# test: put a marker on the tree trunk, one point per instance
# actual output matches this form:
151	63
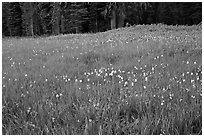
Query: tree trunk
31	19
28	18
113	18
9	27
96	25
31	26
62	24
55	27
77	30
121	20
56	18
121	16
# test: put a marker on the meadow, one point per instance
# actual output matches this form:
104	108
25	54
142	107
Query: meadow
144	79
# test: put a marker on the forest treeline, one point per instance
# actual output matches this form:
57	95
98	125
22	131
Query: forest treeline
53	18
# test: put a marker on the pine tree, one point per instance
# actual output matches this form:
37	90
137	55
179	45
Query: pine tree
77	14
119	12
27	18
14	19
5	22
39	18
45	14
96	20
56	16
193	12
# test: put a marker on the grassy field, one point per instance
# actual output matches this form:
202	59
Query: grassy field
144	79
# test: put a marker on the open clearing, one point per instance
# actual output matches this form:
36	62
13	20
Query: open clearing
135	80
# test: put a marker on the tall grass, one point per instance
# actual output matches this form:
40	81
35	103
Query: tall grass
136	80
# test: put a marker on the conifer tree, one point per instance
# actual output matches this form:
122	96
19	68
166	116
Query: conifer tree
76	15
27	18
5	21
14	19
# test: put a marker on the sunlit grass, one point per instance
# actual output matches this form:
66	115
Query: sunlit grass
136	80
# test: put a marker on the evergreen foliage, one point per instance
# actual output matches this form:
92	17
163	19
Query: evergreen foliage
53	18
14	19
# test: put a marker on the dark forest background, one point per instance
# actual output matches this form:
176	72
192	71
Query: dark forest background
53	18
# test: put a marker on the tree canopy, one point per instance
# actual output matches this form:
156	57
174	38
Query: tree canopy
53	18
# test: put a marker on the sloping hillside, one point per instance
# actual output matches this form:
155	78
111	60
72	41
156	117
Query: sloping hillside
143	79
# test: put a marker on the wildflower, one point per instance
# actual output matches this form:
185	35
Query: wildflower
126	83
193	96
184	80
192	80
187	72
152	68
28	111
57	95
191	73
132	83
144	87
22	95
